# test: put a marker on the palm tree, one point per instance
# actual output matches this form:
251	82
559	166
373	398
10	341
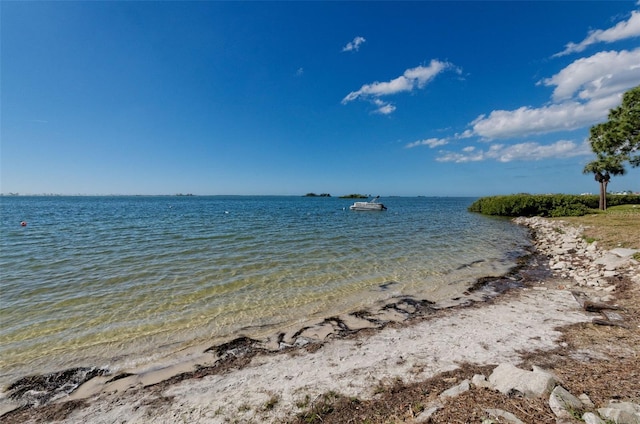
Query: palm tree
615	142
602	169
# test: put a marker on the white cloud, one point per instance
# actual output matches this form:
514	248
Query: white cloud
558	117
421	75
431	142
585	92
299	72
354	45
383	108
411	79
529	151
623	30
436	142
381	89
469	155
596	76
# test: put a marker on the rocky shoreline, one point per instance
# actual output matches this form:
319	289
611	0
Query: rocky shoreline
572	257
584	266
400	339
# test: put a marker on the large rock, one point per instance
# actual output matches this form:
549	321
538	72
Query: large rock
508	379
624	253
612	261
621	413
507	416
591	418
429	410
563	403
456	390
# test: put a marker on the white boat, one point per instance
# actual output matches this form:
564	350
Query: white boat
373	205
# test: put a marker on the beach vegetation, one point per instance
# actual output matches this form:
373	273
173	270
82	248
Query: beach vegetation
615	142
321	407
546	205
245	407
417	407
303	403
271	403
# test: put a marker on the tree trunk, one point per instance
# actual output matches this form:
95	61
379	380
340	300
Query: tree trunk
603	180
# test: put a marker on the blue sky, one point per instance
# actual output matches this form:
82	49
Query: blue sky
390	98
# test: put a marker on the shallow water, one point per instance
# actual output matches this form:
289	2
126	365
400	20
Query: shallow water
123	281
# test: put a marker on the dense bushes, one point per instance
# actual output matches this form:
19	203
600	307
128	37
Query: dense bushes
545	204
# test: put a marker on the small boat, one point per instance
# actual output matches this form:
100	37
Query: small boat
373	205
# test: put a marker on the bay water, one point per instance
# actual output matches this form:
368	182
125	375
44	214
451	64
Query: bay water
124	281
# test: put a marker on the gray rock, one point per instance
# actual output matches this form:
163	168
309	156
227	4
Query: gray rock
621	412
563	403
591	418
480	380
632	408
507	378
624	253
612	262
586	401
456	390
619	417
508	416
425	415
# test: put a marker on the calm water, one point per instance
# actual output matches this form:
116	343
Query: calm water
123	281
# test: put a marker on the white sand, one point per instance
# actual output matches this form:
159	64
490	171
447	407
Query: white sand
489	334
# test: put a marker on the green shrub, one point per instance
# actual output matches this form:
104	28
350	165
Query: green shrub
548	205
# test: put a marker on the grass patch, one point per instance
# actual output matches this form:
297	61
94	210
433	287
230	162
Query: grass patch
321	407
618	226
271	403
245	407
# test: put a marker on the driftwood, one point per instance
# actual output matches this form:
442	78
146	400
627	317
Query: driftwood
599	321
580	297
611	319
590	306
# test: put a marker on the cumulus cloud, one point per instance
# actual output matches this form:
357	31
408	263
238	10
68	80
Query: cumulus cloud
584	93
383	108
625	29
556	117
431	142
529	151
354	45
411	79
596	76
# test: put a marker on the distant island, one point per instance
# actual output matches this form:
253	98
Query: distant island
355	196
317	195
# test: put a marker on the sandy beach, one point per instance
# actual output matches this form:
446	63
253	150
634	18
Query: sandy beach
501	320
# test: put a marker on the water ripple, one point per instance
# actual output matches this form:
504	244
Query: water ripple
93	280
